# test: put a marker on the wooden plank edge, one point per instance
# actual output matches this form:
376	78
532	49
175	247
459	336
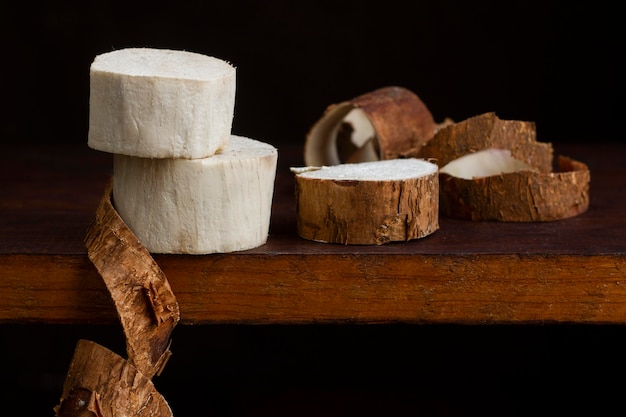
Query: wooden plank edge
320	288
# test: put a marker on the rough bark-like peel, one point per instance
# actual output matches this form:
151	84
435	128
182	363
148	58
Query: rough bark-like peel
100	383
489	131
401	121
145	303
524	196
529	195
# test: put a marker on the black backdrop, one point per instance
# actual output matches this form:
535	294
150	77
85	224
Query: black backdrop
556	63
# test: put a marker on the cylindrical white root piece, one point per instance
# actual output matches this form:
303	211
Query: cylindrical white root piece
159	103
217	204
368	203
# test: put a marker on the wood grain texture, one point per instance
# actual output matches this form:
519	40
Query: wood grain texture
572	270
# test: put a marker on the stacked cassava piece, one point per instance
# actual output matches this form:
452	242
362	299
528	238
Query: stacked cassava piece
182	181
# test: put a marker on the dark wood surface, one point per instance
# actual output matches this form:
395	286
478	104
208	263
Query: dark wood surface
572	270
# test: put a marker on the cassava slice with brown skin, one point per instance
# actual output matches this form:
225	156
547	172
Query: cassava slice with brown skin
100	383
523	196
145	303
368	203
395	120
489	131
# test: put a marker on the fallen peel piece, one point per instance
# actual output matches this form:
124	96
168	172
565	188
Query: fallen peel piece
386	123
100	383
367	203
145	303
521	196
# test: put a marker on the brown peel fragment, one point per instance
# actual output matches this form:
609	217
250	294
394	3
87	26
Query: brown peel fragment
523	196
100	383
530	193
396	121
489	131
145	303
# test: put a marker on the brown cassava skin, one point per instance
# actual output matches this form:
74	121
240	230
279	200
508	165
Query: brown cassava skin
488	131
366	212
100	383
401	120
524	196
143	298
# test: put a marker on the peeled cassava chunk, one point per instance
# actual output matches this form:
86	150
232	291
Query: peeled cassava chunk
159	103
217	204
368	203
387	123
496	170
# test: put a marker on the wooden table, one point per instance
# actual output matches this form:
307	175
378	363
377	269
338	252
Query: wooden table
569	271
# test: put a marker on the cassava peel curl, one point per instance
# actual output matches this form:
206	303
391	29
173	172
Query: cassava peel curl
144	300
523	188
522	196
99	382
386	123
489	131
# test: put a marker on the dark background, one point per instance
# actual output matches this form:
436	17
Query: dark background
559	64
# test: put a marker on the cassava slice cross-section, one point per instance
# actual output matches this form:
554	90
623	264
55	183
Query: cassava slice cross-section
367	203
217	204
383	124
145	303
100	383
495	169
160	103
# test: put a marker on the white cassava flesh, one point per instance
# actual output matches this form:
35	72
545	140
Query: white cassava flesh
212	205
367	203
159	103
484	163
